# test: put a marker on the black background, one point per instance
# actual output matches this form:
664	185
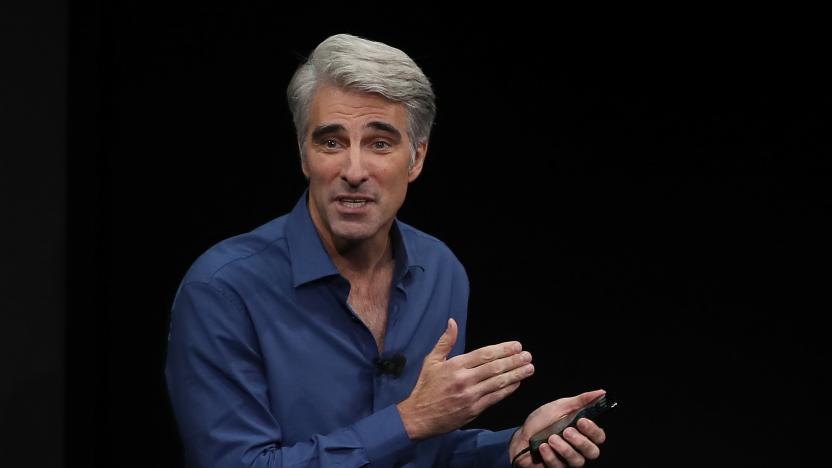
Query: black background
642	202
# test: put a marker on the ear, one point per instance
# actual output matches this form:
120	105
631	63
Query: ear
418	162
303	166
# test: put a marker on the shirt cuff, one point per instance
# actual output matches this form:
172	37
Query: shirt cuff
383	434
492	447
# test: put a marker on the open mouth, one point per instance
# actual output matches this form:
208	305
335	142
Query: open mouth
352	203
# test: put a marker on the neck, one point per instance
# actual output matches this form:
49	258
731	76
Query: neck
362	257
358	258
354	258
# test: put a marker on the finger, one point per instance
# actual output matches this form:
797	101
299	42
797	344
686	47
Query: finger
550	458
446	342
592	431
524	461
490	353
500	366
566	451
503	380
581	443
494	397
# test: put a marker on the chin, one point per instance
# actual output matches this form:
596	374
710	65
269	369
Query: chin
354	233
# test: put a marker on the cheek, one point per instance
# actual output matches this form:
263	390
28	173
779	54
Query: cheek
393	176
320	171
398	186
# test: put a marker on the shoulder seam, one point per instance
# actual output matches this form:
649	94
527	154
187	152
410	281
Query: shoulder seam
222	292
244	257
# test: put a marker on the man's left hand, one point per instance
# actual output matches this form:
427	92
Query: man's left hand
574	448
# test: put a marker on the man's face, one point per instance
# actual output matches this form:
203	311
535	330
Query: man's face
358	164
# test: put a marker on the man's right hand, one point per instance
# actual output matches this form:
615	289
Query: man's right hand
451	392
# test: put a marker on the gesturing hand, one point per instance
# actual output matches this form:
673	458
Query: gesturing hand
451	392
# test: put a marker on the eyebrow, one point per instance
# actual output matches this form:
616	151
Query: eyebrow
330	129
386	128
326	129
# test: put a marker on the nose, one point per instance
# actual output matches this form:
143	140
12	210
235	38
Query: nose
354	171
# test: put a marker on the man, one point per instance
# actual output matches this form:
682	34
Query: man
334	335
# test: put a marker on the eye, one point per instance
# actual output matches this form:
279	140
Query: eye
329	144
381	145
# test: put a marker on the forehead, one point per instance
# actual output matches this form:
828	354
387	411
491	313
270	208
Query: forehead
331	104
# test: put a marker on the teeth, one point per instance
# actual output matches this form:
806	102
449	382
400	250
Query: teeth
353	203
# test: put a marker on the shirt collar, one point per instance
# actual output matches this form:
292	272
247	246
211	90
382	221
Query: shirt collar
310	260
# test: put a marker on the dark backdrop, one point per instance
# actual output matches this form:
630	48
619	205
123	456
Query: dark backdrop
33	89
643	204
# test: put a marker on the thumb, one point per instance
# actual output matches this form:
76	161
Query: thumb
584	399
446	342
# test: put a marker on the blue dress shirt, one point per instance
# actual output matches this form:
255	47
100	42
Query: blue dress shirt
268	366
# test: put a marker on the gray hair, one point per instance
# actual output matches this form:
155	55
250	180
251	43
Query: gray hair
358	64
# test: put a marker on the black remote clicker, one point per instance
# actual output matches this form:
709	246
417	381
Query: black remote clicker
599	406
